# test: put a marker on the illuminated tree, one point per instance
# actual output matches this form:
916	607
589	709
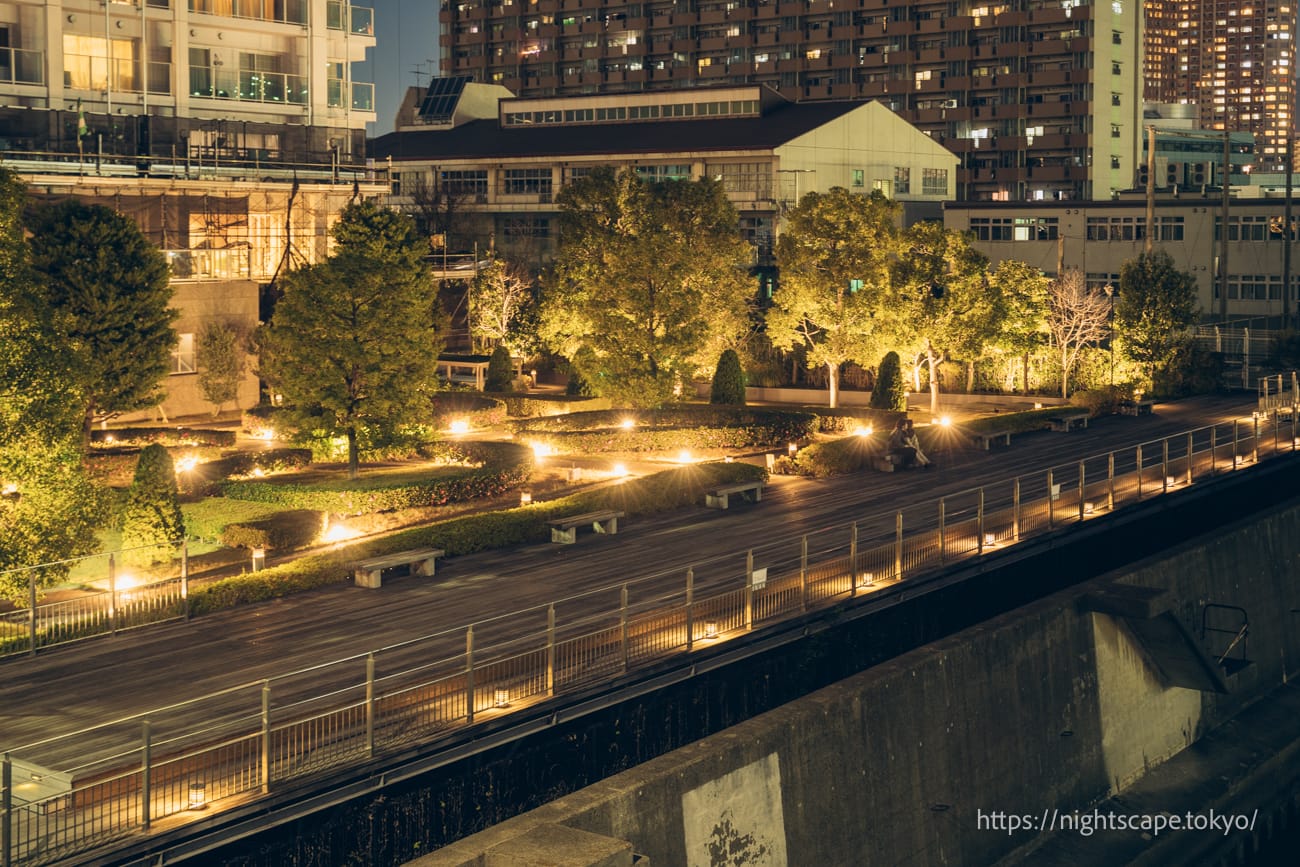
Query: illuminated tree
152	525
501	371
502	307
1077	317
222	361
1023	293
889	392
728	380
1156	310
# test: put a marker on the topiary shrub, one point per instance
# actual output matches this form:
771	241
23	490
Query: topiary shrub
284	531
500	371
728	381
152	525
890	393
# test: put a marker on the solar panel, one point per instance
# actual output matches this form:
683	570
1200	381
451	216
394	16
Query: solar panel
441	97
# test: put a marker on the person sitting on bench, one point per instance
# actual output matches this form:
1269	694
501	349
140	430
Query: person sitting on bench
911	441
903	451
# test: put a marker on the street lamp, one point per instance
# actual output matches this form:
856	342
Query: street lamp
1110	294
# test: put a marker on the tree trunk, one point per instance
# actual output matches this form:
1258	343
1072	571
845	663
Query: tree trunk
87	423
932	360
354	463
1024	359
833	381
1065	375
970	377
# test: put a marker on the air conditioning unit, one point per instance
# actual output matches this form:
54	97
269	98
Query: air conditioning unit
950	103
1201	174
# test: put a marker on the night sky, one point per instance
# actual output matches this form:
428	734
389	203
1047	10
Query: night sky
406	39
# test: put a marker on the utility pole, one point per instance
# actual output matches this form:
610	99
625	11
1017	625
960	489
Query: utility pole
1223	224
1288	238
1151	188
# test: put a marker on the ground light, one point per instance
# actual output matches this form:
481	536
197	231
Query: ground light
627	423
684	456
862	431
459	426
525	498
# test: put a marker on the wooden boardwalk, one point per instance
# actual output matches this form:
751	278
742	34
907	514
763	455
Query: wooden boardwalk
77	686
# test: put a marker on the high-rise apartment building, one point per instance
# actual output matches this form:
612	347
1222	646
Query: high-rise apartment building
1234	60
267	81
1039	99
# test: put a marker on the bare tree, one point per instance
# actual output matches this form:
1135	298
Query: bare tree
1076	317
501	292
435	207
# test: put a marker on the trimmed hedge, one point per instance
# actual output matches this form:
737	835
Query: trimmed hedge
847	420
502	467
267	460
540	406
164	436
1015	422
479	411
661	492
208	518
849	454
284	531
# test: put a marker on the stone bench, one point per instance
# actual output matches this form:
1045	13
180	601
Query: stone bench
984	440
368	573
887	462
565	530
719	497
1067	421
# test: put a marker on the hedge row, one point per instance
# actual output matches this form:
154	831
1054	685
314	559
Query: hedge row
166	436
477	410
846	420
1014	422
267	460
284	531
686	415
504	466
849	454
780	431
541	406
661	492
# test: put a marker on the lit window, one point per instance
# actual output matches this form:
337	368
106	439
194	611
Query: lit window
183	355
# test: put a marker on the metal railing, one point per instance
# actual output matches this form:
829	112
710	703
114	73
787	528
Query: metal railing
1278	392
197	754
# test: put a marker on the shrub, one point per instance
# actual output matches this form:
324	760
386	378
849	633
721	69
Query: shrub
648	495
178	436
500	371
535	406
1191	370
505	465
206	519
151	522
728	381
835	457
849	420
890	393
282	531
667	429
479	411
1012	422
1101	401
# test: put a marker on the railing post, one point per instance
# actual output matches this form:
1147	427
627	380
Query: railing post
1110	482
622	625
803	572
853	561
1051	502
749	589
31	610
1214	447
1235	439
146	793
979	523
6	811
112	595
1254	440
469	674
1083	485
266	736
1190	449
690	609
550	643
1015	510
1138	452
1294	411
185	577
898	546
943	554
1164	465
370	704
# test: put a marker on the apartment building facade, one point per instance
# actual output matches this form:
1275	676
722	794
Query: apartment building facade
1040	100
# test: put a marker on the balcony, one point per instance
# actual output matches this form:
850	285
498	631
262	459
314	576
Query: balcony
288	12
360	20
20	66
214	82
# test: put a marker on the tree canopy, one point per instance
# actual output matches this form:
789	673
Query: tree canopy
1077	317
1155	310
107	287
649	285
221	363
46	502
354	342
835	256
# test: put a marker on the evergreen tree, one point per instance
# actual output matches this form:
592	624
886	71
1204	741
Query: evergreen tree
221	364
354	342
501	371
728	381
1155	312
47	505
152	525
889	393
107	287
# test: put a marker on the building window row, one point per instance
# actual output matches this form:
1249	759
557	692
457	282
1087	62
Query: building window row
1255	287
934	182
715	108
1015	228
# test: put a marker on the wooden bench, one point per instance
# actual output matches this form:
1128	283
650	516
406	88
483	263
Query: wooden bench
984	440
718	498
1067	421
1137	407
368	573
565	530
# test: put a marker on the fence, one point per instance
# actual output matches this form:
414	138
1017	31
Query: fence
234	746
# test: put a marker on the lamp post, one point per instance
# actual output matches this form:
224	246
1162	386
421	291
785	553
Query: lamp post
1110	294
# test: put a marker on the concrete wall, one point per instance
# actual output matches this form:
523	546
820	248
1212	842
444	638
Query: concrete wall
1051	706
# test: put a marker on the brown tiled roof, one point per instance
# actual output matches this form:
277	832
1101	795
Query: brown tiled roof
486	138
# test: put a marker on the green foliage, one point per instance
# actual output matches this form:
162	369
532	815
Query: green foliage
354	341
504	466
479	411
890	392
171	437
47	503
1285	351
530	406
152	525
222	360
1155	312
728	381
576	386
648	495
834	254
849	454
1101	401
1190	370
501	371
247	463
1015	422
650	283
283	531
107	286
206	519
504	309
